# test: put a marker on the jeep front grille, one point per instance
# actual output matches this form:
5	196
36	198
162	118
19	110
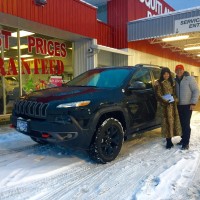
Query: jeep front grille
31	108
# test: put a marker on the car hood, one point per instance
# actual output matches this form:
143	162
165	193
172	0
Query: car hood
63	93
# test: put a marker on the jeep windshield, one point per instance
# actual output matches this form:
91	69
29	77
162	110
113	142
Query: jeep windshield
102	78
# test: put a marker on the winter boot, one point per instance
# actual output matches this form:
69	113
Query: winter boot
185	147
169	144
181	142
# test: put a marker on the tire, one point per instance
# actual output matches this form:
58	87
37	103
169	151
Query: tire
108	141
39	141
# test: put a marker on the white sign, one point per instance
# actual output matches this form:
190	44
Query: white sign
187	25
56	80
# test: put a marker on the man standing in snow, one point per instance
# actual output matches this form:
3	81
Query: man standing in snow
188	94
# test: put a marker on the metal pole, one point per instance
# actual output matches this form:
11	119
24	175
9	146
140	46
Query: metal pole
19	63
3	78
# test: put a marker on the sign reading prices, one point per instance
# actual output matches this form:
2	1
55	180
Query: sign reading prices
187	25
36	46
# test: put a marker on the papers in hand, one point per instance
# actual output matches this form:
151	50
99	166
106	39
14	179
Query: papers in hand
168	97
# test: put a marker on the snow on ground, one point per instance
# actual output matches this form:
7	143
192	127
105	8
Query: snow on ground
144	170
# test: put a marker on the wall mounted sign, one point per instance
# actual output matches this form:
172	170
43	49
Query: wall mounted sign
187	25
155	6
56	81
41	66
46	47
6	35
39	46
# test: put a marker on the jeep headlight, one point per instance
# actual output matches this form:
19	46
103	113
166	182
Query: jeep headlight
74	104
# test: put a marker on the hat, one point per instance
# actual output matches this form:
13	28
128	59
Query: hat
179	67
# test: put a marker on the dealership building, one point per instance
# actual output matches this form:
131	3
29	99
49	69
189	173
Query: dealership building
44	43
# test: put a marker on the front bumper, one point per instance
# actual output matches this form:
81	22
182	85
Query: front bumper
66	134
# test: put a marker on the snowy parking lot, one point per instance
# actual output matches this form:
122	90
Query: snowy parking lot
144	170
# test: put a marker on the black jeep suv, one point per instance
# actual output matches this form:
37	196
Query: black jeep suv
96	111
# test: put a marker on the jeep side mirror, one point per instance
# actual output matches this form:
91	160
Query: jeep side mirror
137	85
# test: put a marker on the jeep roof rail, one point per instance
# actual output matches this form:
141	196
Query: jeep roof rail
148	65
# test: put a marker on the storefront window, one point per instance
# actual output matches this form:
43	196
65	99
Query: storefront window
8	69
45	62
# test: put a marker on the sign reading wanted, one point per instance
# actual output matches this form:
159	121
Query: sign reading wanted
187	25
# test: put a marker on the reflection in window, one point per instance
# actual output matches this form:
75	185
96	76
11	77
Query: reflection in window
142	75
156	73
102	78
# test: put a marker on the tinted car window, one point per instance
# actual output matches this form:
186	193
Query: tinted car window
108	78
142	75
156	73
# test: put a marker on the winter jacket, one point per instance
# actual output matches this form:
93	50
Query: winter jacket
170	123
187	90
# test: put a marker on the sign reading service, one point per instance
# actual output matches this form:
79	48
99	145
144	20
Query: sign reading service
187	25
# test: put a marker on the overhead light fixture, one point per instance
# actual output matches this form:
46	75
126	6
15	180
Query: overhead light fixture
198	55
23	46
30	59
192	44
48	56
22	33
181	37
192	48
26	56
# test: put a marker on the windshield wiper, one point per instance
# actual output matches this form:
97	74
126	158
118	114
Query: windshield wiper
81	85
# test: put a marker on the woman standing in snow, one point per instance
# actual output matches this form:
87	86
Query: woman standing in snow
170	124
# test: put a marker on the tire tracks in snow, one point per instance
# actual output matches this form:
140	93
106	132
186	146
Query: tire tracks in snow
134	171
29	149
25	190
18	150
70	177
86	180
76	182
185	184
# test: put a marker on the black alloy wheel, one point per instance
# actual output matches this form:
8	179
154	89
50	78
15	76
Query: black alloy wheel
108	141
